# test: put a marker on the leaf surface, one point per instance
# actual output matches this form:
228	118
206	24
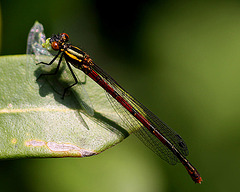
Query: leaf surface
36	122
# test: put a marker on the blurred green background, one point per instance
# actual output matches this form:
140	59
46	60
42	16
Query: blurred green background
180	59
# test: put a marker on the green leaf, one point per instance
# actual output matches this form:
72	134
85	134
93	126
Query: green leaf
36	122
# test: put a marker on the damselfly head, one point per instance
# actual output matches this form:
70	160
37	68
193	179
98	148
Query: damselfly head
56	42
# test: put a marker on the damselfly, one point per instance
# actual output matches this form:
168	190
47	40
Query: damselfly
162	140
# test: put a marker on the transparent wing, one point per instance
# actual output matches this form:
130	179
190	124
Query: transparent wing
36	53
138	129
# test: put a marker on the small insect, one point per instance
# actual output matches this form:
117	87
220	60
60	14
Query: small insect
155	134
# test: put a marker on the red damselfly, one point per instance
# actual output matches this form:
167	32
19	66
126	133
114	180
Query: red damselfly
161	139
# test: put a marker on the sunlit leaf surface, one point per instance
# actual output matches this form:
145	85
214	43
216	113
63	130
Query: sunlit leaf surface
36	122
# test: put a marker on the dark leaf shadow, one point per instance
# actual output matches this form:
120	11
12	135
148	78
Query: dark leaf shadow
55	85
